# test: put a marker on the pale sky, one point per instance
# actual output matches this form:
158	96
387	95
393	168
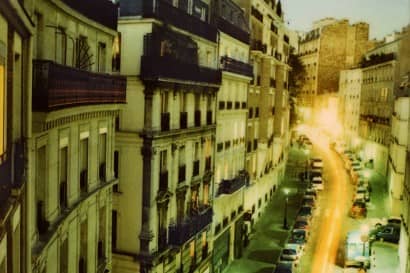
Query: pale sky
383	16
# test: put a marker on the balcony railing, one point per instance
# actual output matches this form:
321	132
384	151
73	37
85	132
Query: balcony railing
257	45
104	12
57	86
231	185
209	117
181	233
166	12
232	30
156	68
183	120
197	117
235	66
165	121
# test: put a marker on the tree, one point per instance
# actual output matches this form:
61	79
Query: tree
297	76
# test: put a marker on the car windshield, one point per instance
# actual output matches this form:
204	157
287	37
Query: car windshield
298	234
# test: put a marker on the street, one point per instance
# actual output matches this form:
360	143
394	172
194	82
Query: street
324	252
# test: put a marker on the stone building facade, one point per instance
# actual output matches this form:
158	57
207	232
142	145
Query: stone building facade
166	137
75	100
16	33
350	84
231	176
331	46
267	137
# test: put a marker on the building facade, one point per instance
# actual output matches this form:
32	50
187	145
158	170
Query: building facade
380	78
75	101
231	116
267	137
166	137
349	104
331	46
16	32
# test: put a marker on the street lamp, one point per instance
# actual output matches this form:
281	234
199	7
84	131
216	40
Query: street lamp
285	216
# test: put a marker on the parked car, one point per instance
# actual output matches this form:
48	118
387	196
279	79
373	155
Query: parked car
305	213
284	267
364	183
302	224
309	200
358	209
298	236
289	254
362	193
317	162
388	233
317	183
311	192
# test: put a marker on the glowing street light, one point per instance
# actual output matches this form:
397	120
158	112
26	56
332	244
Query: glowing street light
285	216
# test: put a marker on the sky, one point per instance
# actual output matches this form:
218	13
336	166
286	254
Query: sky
383	16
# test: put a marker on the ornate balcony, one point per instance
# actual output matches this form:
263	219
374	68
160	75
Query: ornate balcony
57	86
234	66
102	11
181	233
166	12
232	30
232	185
155	68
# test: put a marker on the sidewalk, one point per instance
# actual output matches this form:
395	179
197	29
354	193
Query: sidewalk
268	236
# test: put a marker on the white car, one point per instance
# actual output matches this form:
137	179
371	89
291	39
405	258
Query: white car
317	183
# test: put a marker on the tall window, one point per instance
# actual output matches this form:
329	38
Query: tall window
102	145
83	165
61	46
163	163
63	176
101	57
164	102
2	101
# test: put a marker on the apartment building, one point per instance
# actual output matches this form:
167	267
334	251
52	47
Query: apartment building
350	84
231	116
331	46
166	137
381	76
75	101
267	138
16	33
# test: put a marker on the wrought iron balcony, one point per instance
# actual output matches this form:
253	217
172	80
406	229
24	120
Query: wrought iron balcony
156	68
57	86
232	185
104	12
234	66
232	30
181	233
166	12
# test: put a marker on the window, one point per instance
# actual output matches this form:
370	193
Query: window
163	161
102	144
2	101
83	165
63	176
61	46
101	57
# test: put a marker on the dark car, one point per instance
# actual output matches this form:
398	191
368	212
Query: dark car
309	201
358	209
311	192
388	233
305	211
302	224
298	236
284	267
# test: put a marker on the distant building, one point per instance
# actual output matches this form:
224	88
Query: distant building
331	46
350	84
